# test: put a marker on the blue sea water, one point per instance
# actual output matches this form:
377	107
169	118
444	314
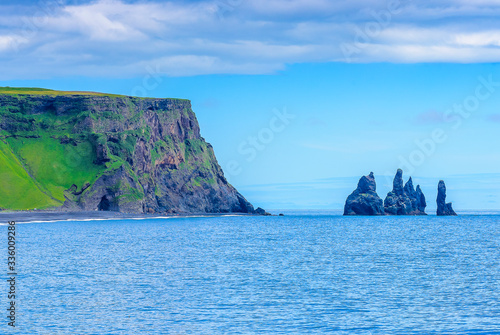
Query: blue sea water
305	273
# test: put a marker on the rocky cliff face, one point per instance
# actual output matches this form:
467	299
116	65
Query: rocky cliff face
364	200
404	200
443	208
103	152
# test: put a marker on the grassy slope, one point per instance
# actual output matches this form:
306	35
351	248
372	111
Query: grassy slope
56	166
53	166
19	191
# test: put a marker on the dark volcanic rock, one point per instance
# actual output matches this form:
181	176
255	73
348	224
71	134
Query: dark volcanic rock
443	208
261	211
398	202
404	200
417	198
364	200
421	203
397	184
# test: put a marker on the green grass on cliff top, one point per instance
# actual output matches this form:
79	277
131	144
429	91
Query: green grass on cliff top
43	91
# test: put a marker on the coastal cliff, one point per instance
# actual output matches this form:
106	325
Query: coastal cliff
81	151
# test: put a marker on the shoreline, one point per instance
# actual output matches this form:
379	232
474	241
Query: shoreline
56	216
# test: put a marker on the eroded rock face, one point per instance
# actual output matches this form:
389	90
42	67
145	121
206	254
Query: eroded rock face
364	200
443	208
421	203
404	200
398	202
149	153
417	198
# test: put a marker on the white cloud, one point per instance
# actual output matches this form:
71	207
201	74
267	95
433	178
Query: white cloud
11	43
486	38
114	38
100	27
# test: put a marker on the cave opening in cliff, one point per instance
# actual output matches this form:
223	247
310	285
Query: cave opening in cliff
105	204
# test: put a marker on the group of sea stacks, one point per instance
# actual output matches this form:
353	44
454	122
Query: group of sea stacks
402	200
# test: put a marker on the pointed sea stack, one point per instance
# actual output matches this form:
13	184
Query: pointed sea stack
443	208
398	202
404	200
364	200
417	198
421	203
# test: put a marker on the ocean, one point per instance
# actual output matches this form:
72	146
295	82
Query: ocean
308	272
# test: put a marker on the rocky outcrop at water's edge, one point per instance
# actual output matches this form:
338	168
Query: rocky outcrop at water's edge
443	208
364	200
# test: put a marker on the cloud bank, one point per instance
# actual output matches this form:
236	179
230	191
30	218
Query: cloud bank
114	38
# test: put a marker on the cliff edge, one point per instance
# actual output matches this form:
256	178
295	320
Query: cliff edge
81	151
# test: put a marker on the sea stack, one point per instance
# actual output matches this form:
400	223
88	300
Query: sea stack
443	208
421	203
364	200
404	200
417	198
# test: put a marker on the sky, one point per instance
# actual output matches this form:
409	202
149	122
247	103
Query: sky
299	98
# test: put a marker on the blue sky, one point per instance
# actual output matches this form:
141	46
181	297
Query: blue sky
299	98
